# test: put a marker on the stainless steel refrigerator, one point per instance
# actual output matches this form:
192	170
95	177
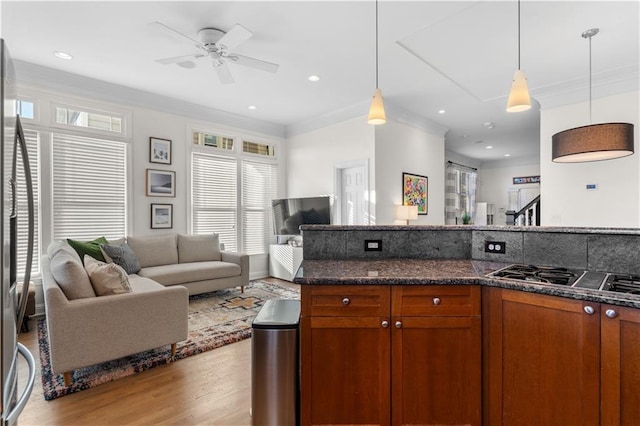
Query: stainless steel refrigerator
13	149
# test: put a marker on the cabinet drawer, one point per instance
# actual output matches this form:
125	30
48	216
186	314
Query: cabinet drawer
345	300
436	300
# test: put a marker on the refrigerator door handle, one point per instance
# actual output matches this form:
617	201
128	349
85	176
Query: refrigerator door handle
12	418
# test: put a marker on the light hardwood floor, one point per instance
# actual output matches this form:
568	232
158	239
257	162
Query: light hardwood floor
211	388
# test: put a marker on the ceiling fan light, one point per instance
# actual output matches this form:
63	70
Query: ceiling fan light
376	111
519	99
596	142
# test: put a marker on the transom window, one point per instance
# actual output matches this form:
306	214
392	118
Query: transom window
88	119
258	148
215	141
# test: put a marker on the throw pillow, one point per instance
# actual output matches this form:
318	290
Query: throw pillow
123	256
71	276
92	248
198	248
106	278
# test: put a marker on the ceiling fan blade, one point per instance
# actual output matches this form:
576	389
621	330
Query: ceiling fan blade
179	59
176	32
253	63
223	73
234	37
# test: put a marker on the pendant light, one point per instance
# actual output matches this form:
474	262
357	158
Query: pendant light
594	142
519	99
376	111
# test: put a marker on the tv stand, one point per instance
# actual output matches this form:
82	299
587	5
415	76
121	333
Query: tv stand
284	261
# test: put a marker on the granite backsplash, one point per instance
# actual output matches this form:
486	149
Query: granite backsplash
595	249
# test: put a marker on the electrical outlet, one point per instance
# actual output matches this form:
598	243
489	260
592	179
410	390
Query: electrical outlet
372	245
495	247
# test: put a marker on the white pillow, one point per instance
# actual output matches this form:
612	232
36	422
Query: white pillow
106	278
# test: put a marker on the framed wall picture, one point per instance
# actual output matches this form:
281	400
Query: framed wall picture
161	216
161	183
159	150
415	191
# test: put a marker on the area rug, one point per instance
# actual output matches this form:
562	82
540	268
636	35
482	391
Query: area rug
215	319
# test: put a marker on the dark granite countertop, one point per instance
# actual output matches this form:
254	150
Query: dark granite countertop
507	228
441	272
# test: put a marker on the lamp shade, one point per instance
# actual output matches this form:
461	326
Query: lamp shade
519	99
376	111
407	213
593	143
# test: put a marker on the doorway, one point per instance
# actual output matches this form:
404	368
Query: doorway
352	193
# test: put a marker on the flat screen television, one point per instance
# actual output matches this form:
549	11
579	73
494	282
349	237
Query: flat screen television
290	213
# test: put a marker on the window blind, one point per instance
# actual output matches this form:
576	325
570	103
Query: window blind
214	197
89	183
259	187
32	137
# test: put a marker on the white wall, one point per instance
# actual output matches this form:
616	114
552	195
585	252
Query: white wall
565	201
494	184
402	148
312	156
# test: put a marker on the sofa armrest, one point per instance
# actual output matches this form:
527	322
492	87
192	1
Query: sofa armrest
240	259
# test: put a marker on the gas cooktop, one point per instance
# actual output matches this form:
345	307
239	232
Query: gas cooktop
594	280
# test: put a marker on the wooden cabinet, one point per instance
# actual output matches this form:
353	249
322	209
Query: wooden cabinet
391	355
620	380
560	361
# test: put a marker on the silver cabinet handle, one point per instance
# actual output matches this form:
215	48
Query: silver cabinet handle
385	324
346	301
398	324
436	301
589	310
611	313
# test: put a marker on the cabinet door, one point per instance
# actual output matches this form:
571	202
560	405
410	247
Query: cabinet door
543	360
620	365
436	355
345	371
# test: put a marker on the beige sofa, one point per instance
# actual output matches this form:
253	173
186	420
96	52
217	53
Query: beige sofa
89	330
193	261
148	311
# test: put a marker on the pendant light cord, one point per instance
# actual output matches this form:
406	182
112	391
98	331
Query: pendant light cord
518	34
590	107
376	44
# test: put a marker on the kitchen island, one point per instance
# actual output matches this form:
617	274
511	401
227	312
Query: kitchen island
437	341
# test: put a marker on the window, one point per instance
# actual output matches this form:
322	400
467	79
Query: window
214	197
88	119
26	109
89	187
32	139
258	148
258	189
460	193
215	141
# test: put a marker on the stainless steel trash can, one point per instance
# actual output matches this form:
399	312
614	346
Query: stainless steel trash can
275	364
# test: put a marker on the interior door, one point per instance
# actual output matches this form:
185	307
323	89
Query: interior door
353	196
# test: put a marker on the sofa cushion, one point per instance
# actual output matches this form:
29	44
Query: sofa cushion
123	256
181	273
106	278
92	248
156	250
57	246
143	284
198	248
71	276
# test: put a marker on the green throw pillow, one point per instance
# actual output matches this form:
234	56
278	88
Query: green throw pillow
92	248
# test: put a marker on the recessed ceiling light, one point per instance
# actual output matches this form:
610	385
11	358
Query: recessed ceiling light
314	78
252	107
62	55
507	155
488	147
489	125
441	111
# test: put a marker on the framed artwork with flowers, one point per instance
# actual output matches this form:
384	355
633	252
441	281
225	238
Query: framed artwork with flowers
415	191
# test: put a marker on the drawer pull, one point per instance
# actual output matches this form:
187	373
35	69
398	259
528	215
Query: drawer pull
385	324
610	313
436	301
589	310
398	324
346	301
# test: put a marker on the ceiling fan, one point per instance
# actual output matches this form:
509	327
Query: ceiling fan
218	45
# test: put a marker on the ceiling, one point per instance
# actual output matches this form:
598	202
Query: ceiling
458	56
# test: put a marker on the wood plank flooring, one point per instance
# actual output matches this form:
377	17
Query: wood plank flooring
212	388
